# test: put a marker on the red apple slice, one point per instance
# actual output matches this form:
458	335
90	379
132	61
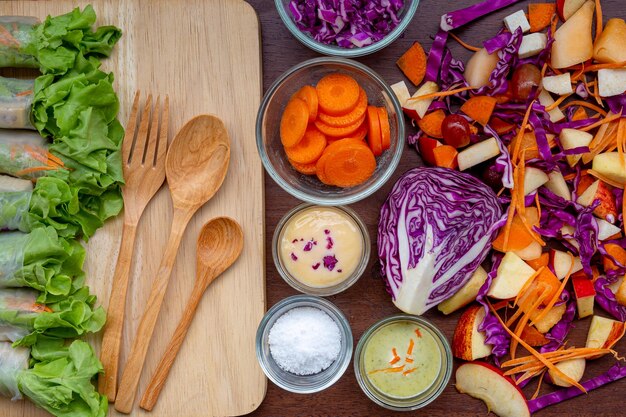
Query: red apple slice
416	109
426	146
468	343
604	333
566	8
487	383
585	294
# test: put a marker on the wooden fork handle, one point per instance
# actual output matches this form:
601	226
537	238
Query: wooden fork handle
112	339
151	396
132	371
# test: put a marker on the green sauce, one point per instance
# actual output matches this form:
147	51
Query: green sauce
402	359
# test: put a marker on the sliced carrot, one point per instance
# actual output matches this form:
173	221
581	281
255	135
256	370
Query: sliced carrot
337	94
431	123
306	169
294	122
500	126
543	260
320	168
349	163
413	63
339	132
441	94
445	156
309	95
385	129
608	119
374	136
533	337
479	108
350	118
580	114
360	134
519	238
540	15
309	149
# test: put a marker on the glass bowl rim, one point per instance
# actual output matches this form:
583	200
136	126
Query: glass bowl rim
336	199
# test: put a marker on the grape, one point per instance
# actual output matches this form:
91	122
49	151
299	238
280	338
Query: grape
455	131
525	78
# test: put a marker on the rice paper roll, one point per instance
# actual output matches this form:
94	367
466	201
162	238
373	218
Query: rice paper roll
16	101
16	32
11	333
26	161
23	137
13	361
42	261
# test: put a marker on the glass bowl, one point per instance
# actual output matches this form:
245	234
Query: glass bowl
320	291
308	187
405	15
303	384
421	399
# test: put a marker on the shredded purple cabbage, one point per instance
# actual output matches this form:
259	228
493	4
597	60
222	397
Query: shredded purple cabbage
559	331
467	15
347	23
606	299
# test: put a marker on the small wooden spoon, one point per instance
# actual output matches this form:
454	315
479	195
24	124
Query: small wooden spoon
219	245
195	167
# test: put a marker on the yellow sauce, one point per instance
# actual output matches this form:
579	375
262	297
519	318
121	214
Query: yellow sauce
402	360
321	246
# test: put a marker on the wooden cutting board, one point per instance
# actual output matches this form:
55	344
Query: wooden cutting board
206	56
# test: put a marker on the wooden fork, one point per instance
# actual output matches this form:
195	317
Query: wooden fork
143	152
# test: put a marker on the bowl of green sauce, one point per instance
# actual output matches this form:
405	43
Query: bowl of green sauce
403	362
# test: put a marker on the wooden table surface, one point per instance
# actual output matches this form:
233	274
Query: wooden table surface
367	302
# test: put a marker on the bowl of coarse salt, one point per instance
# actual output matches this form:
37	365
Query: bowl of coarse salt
304	344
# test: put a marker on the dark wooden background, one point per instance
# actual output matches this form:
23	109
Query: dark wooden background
367	302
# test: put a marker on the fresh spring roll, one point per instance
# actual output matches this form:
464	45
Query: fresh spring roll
70	317
16	100
12	362
43	261
54	376
25	159
15	33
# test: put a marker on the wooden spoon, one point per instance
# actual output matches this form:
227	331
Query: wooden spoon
219	245
195	167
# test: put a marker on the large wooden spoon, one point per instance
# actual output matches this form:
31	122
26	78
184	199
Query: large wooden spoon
195	167
219	245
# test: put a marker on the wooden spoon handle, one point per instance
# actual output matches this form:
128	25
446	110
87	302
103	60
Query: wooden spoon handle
134	365
157	382
112	339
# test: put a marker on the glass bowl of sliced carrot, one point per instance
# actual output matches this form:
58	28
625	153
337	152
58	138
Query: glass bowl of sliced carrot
330	131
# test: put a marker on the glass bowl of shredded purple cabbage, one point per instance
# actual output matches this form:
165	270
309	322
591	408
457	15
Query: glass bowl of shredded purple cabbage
308	187
347	28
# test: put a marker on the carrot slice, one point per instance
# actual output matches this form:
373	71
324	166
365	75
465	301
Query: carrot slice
540	15
374	137
349	163
413	63
350	118
309	95
294	122
320	169
306	169
500	126
309	149
337	94
543	260
340	132
385	129
479	108
431	123
519	238
360	134
580	114
445	156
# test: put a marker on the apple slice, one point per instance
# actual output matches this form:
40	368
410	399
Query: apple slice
573	43
599	190
479	68
566	8
609	47
511	276
562	262
416	109
466	294
574	138
401	91
556	183
611	81
606	229
533	179
468	343
530	252
477	153
604	333
551	318
558	84
574	368
545	99
585	294
426	146
487	383
608	164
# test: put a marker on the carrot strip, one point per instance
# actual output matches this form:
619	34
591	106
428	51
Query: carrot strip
410	349
24	93
33	169
585	104
523	321
418	333
442	93
536	393
606	179
538	355
609	118
610	65
408	360
526	285
392	369
394	360
556	295
558	102
522	129
464	44
598	19
408	371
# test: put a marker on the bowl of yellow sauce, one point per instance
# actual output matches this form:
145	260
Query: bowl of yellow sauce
321	250
403	362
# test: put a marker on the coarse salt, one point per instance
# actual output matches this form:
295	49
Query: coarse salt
304	341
